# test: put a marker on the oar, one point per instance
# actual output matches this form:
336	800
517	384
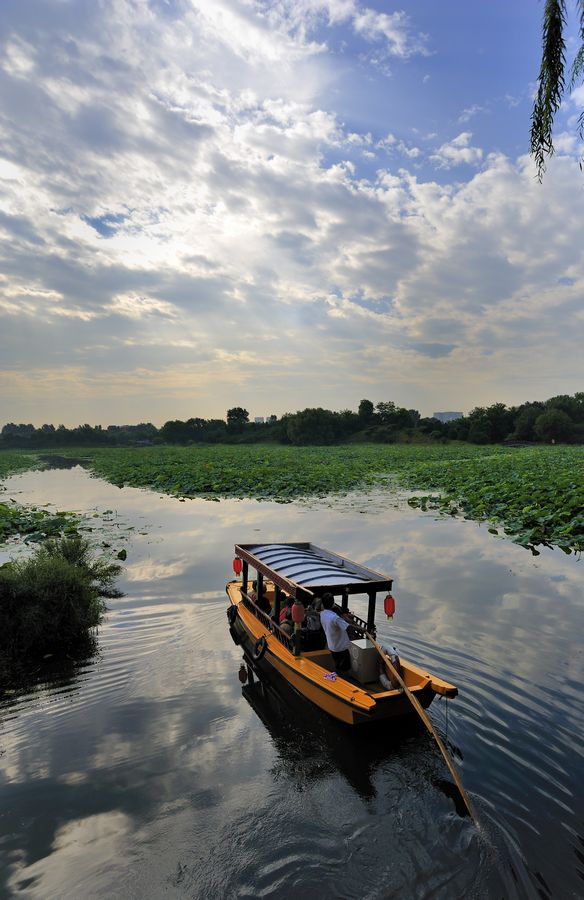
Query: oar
426	720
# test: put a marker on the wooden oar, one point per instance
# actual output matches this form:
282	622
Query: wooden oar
426	720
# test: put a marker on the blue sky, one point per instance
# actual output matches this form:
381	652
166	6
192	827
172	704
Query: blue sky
280	204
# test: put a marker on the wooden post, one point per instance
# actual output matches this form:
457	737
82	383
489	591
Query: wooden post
260	586
277	603
297	639
345	601
371	611
244	578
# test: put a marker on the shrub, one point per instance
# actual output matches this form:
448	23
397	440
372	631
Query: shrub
50	600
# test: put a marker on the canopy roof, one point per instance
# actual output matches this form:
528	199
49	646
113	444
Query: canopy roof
302	569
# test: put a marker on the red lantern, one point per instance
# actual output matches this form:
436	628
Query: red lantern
389	606
237	566
297	612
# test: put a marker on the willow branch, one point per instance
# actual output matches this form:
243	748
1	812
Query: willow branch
551	83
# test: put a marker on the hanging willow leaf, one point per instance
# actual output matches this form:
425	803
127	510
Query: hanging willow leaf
577	70
551	83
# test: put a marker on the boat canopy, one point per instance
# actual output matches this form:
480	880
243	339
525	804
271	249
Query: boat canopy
304	570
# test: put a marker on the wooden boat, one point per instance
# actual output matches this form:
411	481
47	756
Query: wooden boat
305	572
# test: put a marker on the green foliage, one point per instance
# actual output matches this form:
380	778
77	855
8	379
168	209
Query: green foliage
312	426
553	424
32	523
193	431
237	419
11	462
535	494
552	80
29	437
50	600
366	411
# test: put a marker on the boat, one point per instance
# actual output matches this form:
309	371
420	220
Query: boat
304	572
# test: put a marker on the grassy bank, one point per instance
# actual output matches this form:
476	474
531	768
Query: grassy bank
533	494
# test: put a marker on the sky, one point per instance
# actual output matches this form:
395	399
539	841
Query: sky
275	205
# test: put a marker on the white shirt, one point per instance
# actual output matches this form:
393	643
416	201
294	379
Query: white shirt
335	629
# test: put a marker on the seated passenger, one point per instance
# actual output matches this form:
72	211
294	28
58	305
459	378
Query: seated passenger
312	621
262	602
286	610
386	676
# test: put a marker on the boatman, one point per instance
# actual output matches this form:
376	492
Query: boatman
337	639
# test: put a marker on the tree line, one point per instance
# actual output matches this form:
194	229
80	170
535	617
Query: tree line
560	419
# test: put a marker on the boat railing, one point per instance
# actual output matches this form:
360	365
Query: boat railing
357	620
267	620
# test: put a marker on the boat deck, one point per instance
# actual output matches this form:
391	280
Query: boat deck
413	679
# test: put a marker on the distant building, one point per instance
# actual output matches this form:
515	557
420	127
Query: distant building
447	416
259	420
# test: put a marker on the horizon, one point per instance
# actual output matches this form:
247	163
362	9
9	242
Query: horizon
296	205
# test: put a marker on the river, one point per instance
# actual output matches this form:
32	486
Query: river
149	771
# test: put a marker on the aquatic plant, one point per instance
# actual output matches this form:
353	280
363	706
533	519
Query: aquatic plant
15	461
51	600
533	494
30	522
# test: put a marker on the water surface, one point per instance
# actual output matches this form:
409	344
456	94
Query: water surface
149	771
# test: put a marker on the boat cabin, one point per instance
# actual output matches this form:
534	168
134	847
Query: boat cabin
305	572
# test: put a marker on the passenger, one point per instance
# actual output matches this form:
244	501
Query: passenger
337	639
286	611
262	602
287	628
386	676
317	604
312	622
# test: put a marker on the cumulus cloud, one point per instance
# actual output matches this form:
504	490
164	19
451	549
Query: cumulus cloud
457	151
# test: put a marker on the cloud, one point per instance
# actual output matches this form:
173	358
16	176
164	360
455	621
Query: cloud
457	152
577	96
182	220
393	29
471	111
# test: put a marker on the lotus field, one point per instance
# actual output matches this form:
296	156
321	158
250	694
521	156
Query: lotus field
535	495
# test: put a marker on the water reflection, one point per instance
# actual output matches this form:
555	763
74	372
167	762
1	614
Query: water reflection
145	771
311	745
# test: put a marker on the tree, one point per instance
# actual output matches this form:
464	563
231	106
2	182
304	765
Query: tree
552	80
554	424
366	411
312	426
525	421
175	431
386	411
237	418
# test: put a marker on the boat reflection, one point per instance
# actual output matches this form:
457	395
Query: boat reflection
311	745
